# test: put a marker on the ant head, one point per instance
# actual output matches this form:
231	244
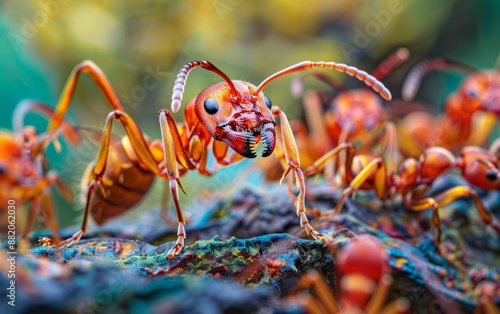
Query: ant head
479	168
359	111
240	121
481	90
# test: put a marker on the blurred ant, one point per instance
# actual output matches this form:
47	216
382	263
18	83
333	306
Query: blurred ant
364	282
230	114
24	169
414	178
479	92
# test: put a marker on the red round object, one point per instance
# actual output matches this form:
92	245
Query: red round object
364	255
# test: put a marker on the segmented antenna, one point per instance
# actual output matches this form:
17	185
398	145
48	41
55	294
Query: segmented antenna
414	78
392	61
180	82
369	80
297	86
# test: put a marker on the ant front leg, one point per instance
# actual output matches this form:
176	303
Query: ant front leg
293	164
174	152
325	302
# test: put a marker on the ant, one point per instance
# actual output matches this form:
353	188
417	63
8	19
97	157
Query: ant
230	114
414	178
24	169
479	92
363	285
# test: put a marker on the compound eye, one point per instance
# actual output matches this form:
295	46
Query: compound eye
491	175
211	106
268	102
2	169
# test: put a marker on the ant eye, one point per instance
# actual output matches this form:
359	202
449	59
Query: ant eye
471	93
2	169
491	175
268	102
211	106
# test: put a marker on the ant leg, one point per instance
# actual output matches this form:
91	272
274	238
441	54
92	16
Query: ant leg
48	209
171	151
452	194
326	299
33	213
379	295
323	161
164	205
62	186
399	306
140	148
479	135
293	163
314	116
448	197
40	198
377	167
390	148
424	204
279	153
98	77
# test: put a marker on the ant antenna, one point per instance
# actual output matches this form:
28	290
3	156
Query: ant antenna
350	70
180	82
414	78
392	61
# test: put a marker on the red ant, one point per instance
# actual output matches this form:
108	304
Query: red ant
479	92
414	178
24	169
364	282
231	114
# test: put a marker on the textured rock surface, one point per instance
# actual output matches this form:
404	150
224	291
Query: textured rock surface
245	254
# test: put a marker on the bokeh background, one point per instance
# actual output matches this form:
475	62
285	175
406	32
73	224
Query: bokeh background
42	40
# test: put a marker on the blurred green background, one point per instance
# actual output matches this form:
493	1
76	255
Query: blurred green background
42	40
